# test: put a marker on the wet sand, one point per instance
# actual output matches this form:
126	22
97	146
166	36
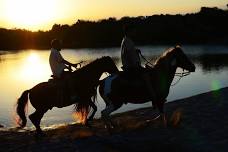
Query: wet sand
195	124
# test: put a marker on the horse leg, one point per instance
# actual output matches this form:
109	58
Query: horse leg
105	115
94	110
160	106
153	104
36	118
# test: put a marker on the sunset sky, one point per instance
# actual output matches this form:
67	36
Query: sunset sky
42	14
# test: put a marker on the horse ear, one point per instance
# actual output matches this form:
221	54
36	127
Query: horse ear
177	46
174	62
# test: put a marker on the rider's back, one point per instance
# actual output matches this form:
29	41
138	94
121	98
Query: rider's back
129	55
56	64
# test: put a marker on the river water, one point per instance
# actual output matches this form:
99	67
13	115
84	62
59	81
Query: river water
23	69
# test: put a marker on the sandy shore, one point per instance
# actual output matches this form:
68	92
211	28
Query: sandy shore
198	123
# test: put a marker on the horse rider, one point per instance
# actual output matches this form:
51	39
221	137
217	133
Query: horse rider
130	57
57	63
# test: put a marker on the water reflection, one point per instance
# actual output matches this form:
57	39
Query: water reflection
207	62
33	68
22	70
212	62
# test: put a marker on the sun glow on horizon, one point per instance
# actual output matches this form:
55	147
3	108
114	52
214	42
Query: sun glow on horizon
43	14
29	13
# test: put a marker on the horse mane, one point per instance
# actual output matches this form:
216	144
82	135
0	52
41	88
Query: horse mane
92	63
97	60
166	54
83	109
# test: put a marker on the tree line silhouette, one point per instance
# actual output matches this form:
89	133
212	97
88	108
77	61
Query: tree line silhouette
208	26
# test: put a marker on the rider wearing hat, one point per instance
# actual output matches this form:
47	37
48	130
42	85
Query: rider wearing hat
58	65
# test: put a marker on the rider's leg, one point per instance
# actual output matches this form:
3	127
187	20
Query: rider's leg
147	79
160	105
67	85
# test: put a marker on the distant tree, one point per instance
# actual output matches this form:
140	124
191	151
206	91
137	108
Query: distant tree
207	26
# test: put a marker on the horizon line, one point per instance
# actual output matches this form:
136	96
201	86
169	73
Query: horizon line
117	18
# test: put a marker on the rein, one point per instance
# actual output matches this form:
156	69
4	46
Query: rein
80	65
147	62
76	67
178	74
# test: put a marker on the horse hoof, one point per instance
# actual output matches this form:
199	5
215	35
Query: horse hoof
40	134
105	126
112	126
90	119
19	127
109	127
87	124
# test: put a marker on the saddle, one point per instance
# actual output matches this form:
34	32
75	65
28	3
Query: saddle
61	88
133	78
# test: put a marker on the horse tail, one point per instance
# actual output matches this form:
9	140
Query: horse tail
82	108
21	109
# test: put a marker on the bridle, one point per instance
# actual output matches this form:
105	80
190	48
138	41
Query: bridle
79	65
147	61
177	74
180	75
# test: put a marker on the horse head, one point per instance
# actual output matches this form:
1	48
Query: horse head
181	60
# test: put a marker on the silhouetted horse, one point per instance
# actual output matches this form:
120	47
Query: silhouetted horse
47	95
116	90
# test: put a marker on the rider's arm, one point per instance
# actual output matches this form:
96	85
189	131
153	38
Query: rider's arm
70	64
62	60
67	63
133	53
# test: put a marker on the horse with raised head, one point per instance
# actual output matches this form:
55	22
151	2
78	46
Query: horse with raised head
46	95
116	90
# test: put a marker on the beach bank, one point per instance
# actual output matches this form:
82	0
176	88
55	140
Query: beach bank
198	123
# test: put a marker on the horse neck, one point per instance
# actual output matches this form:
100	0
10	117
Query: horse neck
167	72
96	71
171	75
91	72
